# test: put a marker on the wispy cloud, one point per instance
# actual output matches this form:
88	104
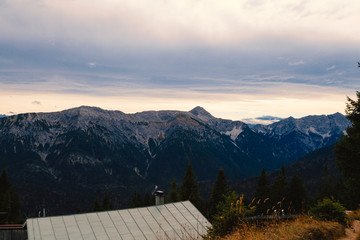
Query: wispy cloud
331	68
91	64
296	63
36	103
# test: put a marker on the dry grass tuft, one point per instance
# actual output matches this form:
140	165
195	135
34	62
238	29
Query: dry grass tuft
299	229
358	236
354	215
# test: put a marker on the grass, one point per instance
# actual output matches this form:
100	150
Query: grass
303	228
354	215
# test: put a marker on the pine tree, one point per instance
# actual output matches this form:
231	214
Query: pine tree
148	200
136	200
97	206
327	186
347	152
189	188
9	201
106	203
219	191
297	194
279	192
79	210
173	195
262	194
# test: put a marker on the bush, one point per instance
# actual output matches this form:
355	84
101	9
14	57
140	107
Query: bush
230	213
329	210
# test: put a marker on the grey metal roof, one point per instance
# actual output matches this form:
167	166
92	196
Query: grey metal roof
179	220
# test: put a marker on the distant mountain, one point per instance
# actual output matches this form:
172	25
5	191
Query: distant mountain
2	116
307	134
65	158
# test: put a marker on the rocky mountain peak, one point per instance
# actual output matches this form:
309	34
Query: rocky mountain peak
202	113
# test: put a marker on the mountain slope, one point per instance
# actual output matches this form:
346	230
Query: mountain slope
307	134
309	168
68	157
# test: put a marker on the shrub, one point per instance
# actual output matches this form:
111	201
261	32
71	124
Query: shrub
230	213
329	210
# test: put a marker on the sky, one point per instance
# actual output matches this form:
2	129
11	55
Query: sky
236	58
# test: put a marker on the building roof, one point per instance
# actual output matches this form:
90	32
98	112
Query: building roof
179	220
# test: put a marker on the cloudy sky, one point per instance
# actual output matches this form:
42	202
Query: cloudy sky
236	58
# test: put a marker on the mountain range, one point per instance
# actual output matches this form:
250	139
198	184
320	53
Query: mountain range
63	159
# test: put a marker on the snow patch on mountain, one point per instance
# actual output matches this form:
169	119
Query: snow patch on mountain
234	133
137	171
323	135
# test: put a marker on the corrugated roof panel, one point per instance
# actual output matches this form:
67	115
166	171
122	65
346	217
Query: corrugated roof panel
140	221
36	228
96	226
46	229
170	221
30	229
59	227
160	219
173	222
72	227
150	220
131	224
119	223
197	228
84	227
186	228
109	226
127	236
202	223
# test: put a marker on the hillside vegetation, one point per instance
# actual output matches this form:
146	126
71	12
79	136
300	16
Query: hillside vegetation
301	228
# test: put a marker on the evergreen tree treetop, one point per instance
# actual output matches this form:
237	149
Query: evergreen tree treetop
262	190
220	187
189	189
4	182
347	150
353	110
262	194
279	190
173	195
297	194
219	190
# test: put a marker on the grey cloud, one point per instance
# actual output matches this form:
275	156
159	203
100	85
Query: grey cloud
331	68
36	103
296	63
